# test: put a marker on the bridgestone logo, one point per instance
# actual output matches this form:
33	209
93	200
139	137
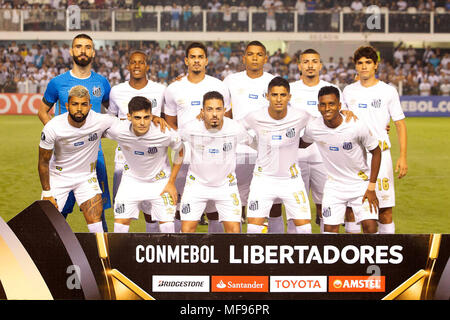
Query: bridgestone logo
162	284
186	283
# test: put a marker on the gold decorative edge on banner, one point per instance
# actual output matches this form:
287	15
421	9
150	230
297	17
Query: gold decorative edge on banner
425	274
110	273
19	275
130	285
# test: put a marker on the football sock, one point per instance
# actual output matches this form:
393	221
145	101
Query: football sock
167	227
388	228
152	227
306	228
214	226
254	228
95	227
276	225
352	227
177	225
121	228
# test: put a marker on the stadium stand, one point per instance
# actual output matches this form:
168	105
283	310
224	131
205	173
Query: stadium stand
27	66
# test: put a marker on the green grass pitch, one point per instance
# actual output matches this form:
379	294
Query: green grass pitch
422	197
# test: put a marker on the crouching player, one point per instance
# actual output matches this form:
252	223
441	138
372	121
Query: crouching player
343	148
147	177
211	175
68	153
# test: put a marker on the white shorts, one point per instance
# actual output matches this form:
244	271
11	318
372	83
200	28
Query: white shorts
134	194
265	190
336	198
385	181
180	182
196	196
314	175
83	189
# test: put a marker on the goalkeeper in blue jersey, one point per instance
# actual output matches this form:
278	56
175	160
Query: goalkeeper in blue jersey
57	92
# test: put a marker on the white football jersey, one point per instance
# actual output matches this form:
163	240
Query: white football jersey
146	156
375	105
184	99
343	149
213	154
75	150
277	140
122	93
247	95
306	98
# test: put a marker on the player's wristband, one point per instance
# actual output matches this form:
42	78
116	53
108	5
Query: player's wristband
371	186
46	194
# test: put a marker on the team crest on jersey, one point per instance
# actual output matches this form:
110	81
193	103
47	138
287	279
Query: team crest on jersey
93	136
290	133
186	208
120	208
326	212
97	91
42	136
152	150
376	103
347	146
154	103
253	205
227	146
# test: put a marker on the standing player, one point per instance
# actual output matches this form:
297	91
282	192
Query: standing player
68	153
211	176
376	103
304	96
147	176
57	91
343	148
276	175
120	96
183	103
247	91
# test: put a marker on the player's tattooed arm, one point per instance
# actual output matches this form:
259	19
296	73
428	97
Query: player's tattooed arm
44	172
370	194
43	113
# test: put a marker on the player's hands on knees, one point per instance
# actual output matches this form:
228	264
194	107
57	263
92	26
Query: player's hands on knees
401	167
349	115
52	200
371	197
172	191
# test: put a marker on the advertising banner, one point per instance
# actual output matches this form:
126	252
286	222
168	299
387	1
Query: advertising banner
20	103
431	106
214	267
